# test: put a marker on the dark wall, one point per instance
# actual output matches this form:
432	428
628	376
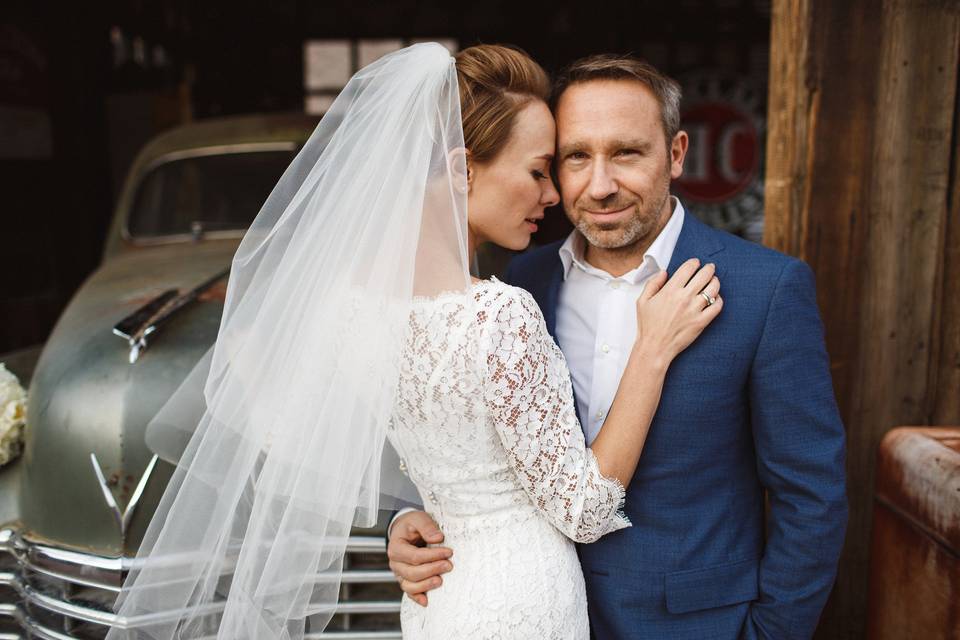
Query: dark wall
53	163
108	76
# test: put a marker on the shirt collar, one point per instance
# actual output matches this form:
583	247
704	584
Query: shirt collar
657	256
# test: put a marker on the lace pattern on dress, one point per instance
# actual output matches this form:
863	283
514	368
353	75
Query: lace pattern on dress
530	397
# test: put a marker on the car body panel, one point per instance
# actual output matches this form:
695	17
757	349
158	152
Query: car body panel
87	484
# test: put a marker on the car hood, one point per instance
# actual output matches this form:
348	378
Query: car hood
86	398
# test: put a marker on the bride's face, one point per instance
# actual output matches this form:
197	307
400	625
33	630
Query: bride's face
507	195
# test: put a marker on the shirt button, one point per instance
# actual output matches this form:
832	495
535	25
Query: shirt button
599	414
605	348
614	284
403	466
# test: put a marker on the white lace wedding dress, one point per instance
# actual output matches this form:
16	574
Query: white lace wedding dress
497	453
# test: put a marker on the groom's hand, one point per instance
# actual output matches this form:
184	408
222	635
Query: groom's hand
417	567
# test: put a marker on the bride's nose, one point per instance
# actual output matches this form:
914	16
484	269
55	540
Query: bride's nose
550	195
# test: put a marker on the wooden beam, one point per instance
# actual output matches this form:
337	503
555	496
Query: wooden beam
945	381
791	115
862	184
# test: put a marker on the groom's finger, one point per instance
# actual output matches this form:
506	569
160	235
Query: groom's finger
419	598
417	588
404	551
420	572
417	525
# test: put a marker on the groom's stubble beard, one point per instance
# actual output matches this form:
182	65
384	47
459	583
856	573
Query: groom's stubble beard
645	221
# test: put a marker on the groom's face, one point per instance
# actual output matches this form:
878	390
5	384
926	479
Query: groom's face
614	163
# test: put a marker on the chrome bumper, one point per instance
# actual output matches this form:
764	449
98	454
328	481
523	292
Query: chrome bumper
51	593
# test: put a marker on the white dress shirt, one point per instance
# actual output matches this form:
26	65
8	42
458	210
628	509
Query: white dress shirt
597	319
597	322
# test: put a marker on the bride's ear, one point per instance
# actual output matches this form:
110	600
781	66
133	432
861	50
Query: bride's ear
461	168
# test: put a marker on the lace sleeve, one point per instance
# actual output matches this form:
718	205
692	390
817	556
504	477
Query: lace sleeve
530	399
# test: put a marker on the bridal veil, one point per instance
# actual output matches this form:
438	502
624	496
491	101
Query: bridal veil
278	432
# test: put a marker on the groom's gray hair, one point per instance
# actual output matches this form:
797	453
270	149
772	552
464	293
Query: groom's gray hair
607	66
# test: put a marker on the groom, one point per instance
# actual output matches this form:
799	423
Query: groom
747	411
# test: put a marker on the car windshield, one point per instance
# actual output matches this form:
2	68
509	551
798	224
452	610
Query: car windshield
205	193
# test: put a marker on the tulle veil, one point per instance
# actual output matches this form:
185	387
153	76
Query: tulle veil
278	433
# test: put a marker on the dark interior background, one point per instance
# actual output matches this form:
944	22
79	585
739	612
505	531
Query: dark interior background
84	85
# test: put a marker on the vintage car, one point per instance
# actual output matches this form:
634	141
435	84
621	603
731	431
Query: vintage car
80	498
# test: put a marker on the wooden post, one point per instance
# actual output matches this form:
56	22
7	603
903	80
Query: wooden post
862	183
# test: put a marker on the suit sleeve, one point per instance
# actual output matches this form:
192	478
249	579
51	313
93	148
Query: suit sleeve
800	447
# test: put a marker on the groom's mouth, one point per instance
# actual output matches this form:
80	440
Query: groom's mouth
608	215
532	223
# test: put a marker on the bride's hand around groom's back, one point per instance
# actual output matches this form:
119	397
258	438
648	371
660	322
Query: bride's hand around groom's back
418	567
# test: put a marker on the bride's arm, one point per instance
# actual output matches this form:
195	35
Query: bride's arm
531	400
670	316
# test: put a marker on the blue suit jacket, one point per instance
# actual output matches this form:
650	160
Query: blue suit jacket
748	407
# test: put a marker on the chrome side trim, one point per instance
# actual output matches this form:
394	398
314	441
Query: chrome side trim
123	517
33	554
366	576
34	628
72	567
352	635
365	544
108	618
178	238
218	150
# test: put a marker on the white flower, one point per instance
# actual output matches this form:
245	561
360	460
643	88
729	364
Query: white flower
13	415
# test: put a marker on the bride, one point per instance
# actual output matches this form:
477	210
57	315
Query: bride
354	335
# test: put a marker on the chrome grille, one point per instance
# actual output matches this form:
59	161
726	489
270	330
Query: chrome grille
50	593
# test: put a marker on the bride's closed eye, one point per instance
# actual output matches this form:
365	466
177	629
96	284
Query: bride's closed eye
539	175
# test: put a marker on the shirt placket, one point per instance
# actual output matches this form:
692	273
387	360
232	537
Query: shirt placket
604	355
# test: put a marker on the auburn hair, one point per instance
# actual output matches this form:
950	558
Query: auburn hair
496	82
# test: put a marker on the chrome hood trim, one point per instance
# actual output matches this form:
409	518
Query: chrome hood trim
86	398
123	517
147	319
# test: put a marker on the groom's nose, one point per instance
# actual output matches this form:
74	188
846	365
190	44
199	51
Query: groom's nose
602	185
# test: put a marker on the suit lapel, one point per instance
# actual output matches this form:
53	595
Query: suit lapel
552	297
696	240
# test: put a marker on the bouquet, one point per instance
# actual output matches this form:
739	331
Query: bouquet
13	415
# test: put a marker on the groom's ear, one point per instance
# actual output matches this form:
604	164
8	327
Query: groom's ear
678	151
461	168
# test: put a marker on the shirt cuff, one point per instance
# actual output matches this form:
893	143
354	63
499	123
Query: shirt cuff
394	518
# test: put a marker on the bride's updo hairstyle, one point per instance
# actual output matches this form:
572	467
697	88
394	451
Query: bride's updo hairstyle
496	83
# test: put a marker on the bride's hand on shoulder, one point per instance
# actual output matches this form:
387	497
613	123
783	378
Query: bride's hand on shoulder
672	313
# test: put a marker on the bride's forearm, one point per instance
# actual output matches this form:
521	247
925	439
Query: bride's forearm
620	442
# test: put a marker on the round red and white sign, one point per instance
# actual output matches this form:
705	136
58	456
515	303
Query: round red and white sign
722	179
